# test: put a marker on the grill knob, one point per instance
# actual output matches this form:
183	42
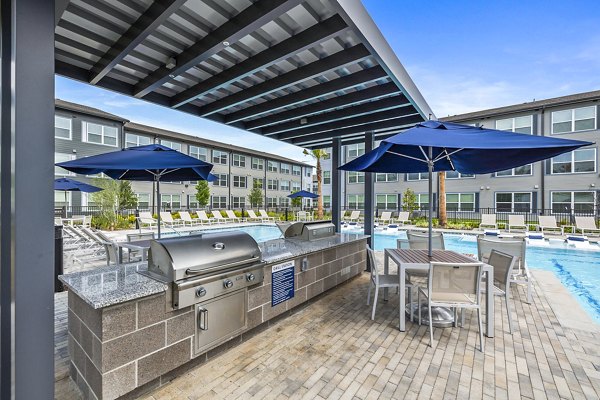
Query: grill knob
250	277
228	283
200	292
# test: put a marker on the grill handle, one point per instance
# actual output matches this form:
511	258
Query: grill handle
191	271
202	319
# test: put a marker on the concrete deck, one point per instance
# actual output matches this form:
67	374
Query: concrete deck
330	349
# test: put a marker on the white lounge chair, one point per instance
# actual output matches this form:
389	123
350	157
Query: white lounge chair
231	215
167	220
219	217
203	218
354	216
488	221
586	224
253	217
385	218
548	223
146	218
187	219
304	216
265	216
403	217
516	223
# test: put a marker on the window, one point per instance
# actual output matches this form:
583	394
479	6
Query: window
423	201
198	152
271	166
356	177
387	201
62	157
258	163
418	176
132	140
272	202
238	201
221	180
62	127
284	186
460	201
517	124
143	200
513	202
356	150
575	162
308	172
239	161
296	170
219	157
356	201
285	168
457	175
171	201
565	202
326	177
240	181
518	171
284	201
171	144
327	154
99	134
327	201
272	184
257	182
386	177
575	120
192	201
219	202
296	186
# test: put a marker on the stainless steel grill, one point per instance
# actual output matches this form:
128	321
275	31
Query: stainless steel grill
211	272
306	230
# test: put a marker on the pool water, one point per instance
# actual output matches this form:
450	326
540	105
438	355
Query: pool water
578	270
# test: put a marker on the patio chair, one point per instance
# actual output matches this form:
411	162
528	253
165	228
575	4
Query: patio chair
403	217
303	216
219	217
517	222
420	241
548	223
166	219
111	248
354	216
204	219
146	218
456	286
253	217
87	221
514	247
503	267
488	221
265	216
378	279
231	215
187	219
586	224
385	218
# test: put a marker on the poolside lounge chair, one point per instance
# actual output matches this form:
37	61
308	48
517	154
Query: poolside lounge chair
385	218
187	219
203	218
403	217
354	216
219	217
304	216
516	223
548	223
253	217
166	219
266	216
586	224
231	215
146	218
378	279
488	221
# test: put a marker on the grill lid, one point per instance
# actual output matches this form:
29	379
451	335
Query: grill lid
180	258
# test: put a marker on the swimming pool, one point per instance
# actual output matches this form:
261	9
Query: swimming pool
578	270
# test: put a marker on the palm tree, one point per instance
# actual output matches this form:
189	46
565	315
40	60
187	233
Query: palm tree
318	154
442	200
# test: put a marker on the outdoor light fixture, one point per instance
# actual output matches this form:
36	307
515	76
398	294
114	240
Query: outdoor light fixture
592	185
482	188
171	63
487	188
226	43
536	186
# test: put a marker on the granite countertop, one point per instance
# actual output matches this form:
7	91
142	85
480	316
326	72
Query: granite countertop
105	286
283	249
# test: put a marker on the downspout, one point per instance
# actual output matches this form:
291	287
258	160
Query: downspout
542	204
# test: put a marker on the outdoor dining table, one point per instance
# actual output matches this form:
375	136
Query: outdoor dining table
138	245
418	260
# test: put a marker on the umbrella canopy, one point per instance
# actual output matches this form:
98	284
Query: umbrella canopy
444	146
71	185
152	162
303	193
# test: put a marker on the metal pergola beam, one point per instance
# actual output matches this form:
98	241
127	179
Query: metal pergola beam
347	82
349	99
247	21
317	33
337	60
158	12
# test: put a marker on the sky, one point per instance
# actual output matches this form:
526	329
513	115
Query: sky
463	56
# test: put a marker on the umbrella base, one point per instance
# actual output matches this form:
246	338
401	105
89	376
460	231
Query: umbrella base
443	317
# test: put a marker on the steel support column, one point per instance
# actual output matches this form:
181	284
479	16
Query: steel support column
369	192
27	199
336	182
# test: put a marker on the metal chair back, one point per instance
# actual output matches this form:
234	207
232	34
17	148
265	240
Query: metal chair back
514	247
454	278
420	241
503	265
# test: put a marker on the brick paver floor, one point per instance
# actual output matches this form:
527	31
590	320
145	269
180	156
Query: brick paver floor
332	350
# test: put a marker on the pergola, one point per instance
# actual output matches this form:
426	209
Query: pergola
314	73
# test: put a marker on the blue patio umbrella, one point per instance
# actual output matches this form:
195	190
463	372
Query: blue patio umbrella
71	185
435	146
152	162
303	193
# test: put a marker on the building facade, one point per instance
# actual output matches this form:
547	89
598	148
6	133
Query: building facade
562	184
82	131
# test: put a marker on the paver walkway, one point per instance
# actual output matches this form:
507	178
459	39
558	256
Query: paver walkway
332	350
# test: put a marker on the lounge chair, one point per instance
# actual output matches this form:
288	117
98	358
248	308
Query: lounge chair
548	223
187	219
167	220
403	217
203	218
354	216
488	221
253	217
586	224
304	216
265	216
385	218
146	218
219	217
231	215
516	222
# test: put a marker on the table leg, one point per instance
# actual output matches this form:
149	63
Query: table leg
490	304
401	295
120	255
386	270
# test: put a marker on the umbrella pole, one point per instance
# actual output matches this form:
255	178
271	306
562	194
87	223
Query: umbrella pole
430	167
157	180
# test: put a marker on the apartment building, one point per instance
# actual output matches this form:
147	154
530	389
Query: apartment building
561	184
83	131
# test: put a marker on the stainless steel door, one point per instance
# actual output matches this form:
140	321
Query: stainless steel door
219	320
